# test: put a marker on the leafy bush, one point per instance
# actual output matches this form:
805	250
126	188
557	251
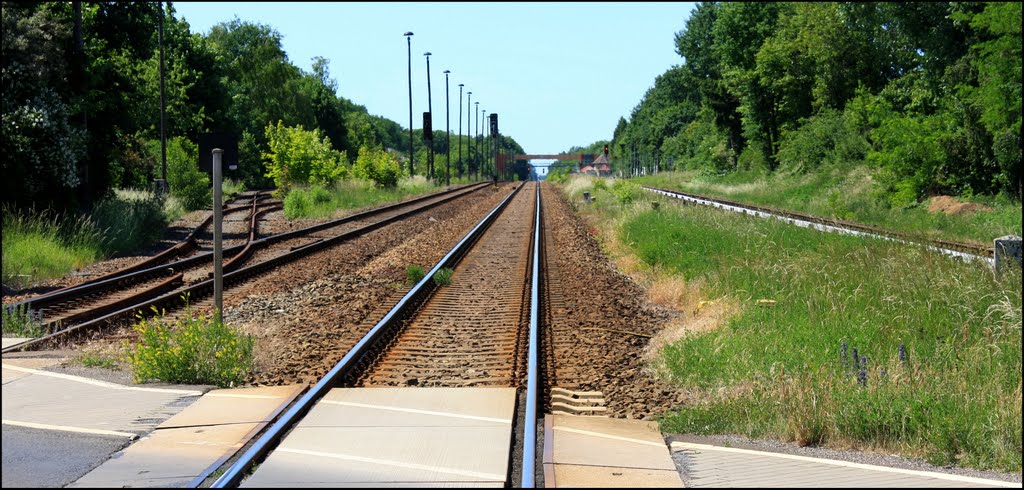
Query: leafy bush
378	165
190	350
130	219
414	274
187	182
625	191
298	156
825	138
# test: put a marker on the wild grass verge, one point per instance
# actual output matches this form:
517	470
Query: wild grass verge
320	202
776	365
850	194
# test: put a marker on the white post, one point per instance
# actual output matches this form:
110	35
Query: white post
218	215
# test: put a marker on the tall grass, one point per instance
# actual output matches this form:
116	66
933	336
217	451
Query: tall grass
777	366
44	245
320	202
40	245
850	194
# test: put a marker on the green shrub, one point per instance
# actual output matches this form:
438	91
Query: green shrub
826	138
299	157
443	277
190	350
187	182
625	191
414	274
131	220
378	165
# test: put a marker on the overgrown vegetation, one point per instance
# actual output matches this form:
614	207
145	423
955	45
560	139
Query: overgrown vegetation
923	97
414	274
317	201
443	277
20	321
190	350
44	245
853	195
938	361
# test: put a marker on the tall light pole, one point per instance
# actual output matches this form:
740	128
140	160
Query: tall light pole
476	132
408	38
460	131
447	134
483	139
163	105
430	137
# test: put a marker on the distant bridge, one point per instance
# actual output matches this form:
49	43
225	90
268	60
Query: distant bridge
582	157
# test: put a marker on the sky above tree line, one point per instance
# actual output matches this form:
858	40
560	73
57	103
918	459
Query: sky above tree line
558	74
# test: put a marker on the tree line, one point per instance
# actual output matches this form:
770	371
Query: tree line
81	102
927	94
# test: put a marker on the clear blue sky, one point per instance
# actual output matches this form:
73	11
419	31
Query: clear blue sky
558	74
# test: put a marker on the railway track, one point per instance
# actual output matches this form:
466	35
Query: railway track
97	304
481	330
960	249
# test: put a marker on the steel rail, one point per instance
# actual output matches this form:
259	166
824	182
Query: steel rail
103	284
530	418
959	249
233	476
201	289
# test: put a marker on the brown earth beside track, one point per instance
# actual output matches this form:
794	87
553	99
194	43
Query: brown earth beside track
601	321
306	315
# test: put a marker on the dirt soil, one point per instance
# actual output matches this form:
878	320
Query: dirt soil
952	206
602	322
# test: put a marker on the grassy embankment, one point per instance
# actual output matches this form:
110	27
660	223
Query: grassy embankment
772	313
851	195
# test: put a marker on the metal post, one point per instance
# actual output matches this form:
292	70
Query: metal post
430	138
408	38
461	163
218	216
469	122
447	134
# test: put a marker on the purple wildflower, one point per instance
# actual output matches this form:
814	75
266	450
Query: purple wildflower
862	377
903	353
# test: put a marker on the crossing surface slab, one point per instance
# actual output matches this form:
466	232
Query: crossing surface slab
717	466
581	451
190	445
46	400
399	437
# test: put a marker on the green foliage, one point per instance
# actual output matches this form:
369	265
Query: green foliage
850	193
928	93
45	245
414	274
20	321
130	219
443	276
300	157
376	164
625	191
827	138
320	202
96	360
190	350
187	182
777	369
